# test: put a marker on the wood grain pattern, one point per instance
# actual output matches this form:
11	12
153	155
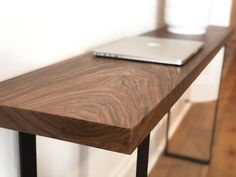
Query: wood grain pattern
106	103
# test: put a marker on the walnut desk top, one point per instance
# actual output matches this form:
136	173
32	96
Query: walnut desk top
105	103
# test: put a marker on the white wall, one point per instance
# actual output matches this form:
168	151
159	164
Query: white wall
9	155
38	33
210	78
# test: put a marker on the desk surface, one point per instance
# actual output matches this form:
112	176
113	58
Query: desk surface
106	103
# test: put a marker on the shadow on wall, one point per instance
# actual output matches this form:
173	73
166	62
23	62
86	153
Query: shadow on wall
83	161
160	13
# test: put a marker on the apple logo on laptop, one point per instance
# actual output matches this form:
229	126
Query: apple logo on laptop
153	44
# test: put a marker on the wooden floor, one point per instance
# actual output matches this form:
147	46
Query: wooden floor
192	137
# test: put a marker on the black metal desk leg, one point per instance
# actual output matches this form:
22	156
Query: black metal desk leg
193	159
142	158
28	161
179	156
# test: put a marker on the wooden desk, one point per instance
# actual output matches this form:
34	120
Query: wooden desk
105	103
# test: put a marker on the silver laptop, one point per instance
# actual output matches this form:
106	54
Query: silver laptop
150	49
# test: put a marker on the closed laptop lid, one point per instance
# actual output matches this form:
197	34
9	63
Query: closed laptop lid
150	49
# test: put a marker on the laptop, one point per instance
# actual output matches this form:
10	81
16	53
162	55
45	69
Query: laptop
150	49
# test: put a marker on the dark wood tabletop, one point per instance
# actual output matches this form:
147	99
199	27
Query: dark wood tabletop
105	103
